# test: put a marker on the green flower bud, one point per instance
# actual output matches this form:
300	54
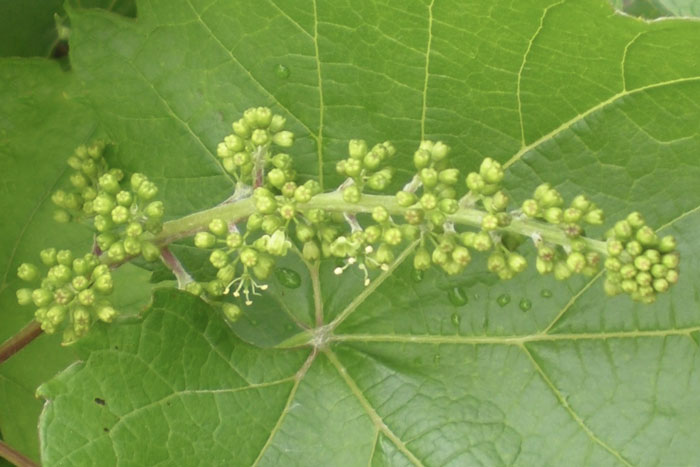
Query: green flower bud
436	218
468	239
489	222
100	270
41	297
671	260
595	217
240	159
448	176
628	271
216	288
352	194
277	123
440	151
672	276
576	262
659	270
561	271
421	259
231	312
644	278
241	128
56	314
634	248
265	205
480	241
496	262
234	240
516	262
48	256
259	137
64	257
429	177
448	206
311	251
116	252
613	264
428	201
276	177
134	229
530	208
378	181
629	286
195	288
249	257
491	171
380	214
226	274
120	215
581	203
544	266
384	254
27	272
86	297
475	183
615	247
372	160
667	244
24	296
104	284
147	190
623	230
284	139
80	283
271	223
124	198
59	274
254	222
461	256
642	263
109	183
406	199
553	215
572	215
132	246
63	295
149	251
499	201
105	240
421	159
263	268
232	144
278	244
409	232
392	236
106	313
218	227
218	258
646	236
78	180
413	216
660	285
578	244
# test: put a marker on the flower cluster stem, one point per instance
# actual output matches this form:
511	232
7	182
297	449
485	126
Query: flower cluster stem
333	201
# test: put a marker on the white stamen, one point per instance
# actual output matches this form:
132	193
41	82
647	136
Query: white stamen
352	260
384	267
338	271
369	249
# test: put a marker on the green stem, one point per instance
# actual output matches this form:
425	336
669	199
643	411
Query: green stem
333	201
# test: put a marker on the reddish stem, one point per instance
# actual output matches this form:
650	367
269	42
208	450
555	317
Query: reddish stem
15	457
17	342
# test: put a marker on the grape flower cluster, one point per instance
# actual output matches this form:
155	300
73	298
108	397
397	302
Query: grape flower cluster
443	218
74	291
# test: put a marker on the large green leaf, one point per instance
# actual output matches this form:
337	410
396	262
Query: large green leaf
652	9
566	92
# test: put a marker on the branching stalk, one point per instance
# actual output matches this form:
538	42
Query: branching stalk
20	340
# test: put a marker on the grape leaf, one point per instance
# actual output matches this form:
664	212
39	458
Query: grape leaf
29	27
566	92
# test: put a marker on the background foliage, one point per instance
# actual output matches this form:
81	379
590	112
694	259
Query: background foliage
567	92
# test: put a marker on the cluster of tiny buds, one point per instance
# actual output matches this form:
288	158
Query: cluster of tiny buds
640	263
365	167
247	151
123	214
429	208
72	294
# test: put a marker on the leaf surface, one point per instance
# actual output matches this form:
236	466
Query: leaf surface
565	92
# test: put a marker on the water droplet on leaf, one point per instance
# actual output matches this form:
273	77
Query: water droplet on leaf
456	319
457	296
546	293
282	71
503	299
288	278
417	275
525	304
